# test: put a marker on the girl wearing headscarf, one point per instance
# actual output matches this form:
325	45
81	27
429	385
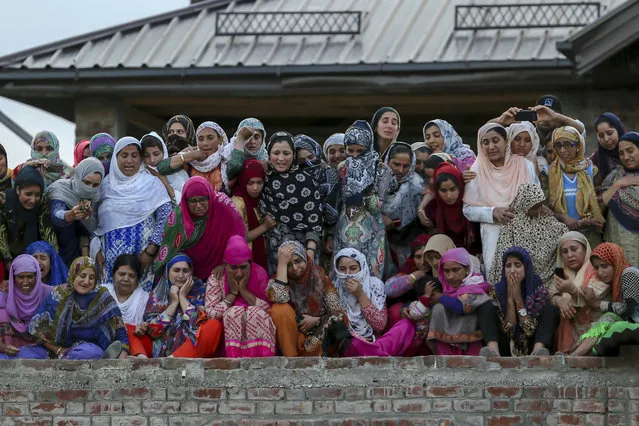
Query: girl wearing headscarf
5	172
175	315
24	219
293	198
306	309
609	130
52	268
238	299
246	197
154	150
567	293
386	124
102	146
454	326
498	175
571	185
422	152
81	151
133	208
441	136
430	165
17	306
524	140
618	325
249	143
73	204
399	211
179	126
521	321
200	227
362	298
621	194
334	150
80	320
45	157
365	183
535	229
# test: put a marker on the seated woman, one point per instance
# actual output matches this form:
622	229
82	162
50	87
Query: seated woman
535	229
131	299
74	208
45	158
79	320
52	268
238	299
102	146
362	298
306	308
567	292
17	307
524	141
618	325
522	321
154	150
175	316
441	137
454	324
24	218
334	149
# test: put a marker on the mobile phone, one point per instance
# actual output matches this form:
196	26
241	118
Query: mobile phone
56	168
526	115
560	273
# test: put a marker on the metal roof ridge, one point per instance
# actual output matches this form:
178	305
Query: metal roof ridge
610	14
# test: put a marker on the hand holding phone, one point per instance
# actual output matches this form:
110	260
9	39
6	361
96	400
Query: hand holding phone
526	115
559	271
55	168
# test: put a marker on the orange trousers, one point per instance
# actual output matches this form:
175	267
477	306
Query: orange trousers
289	339
208	338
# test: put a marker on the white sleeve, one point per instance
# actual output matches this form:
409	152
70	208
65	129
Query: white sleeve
478	213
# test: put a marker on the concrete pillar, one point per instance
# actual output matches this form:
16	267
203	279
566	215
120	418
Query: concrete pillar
94	115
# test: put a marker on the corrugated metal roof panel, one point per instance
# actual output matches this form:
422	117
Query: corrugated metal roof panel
392	32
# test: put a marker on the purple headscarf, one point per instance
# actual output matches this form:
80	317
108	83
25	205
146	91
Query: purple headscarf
474	283
20	307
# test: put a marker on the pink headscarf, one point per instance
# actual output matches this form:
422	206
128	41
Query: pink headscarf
237	252
223	221
78	150
495	186
474	283
17	307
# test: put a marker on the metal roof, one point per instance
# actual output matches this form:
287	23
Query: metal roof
392	32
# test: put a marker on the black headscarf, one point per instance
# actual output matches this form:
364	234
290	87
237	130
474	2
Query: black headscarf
5	181
17	213
607	160
186	122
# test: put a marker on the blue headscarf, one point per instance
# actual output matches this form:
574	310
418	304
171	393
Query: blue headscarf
164	286
609	159
59	271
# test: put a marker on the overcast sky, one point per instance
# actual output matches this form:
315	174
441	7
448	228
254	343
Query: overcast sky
30	23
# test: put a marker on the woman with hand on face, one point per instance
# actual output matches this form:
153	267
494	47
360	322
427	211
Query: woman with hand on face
80	320
45	158
249	143
441	137
52	268
175	316
18	305
306	310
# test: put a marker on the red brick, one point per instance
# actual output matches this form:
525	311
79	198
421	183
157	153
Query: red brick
471	405
16	409
208	393
384	392
208	407
222	364
503	392
570	392
72	421
140	363
562	405
32	421
532	405
353	407
415	391
439	391
535	420
616	419
338	363
465	362
589	406
571	419
372	361
15	396
95	408
504	420
103	394
545	362
236	407
324	407
501	405
441	405
413	363
503	362
411	406
161	407
44	408
533	392
584	362
304	362
268	394
382	406
595	419
615	392
324	393
616	406
132	393
129	421
353	393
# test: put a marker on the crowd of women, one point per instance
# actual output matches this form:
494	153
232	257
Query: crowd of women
194	244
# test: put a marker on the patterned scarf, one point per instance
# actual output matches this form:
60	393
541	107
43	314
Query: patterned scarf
403	204
219	157
101	144
624	204
253	123
361	170
613	255
307	292
453	143
54	157
186	122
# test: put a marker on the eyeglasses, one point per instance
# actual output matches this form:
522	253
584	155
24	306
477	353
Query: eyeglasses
565	145
197	200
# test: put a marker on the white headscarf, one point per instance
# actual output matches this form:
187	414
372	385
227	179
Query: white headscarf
132	308
128	200
222	155
516	128
372	287
177	179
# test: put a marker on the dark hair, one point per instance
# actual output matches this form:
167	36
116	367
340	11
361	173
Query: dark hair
129	260
433	161
443	178
375	121
281	137
516	255
400	148
500	131
424	149
149	141
431	124
138	147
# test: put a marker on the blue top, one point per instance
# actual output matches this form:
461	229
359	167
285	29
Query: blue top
570	192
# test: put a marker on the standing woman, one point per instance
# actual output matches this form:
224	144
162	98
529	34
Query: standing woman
102	145
81	151
386	125
609	130
53	271
133	208
524	141
292	197
366	183
334	150
74	208
180	126
497	176
440	136
154	150
5	171
622	197
248	144
45	157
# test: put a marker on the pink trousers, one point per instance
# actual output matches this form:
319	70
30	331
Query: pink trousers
393	343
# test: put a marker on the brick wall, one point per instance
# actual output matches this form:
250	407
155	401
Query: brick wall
428	390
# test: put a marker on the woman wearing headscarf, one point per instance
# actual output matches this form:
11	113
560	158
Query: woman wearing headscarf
81	151
572	179
238	299
386	124
521	321
334	150
179	127
362	298
53	270
45	157
430	165
246	197
24	218
497	176
422	152
73	204
618	325
535	229
80	320
102	146
567	292
5	172
524	141
621	194
293	198
609	130
441	136
17	306
306	310
200	227
454	326
249	143
175	315
365	183
399	211
154	150
133	208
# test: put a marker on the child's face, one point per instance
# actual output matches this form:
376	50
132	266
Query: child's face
254	187
152	156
